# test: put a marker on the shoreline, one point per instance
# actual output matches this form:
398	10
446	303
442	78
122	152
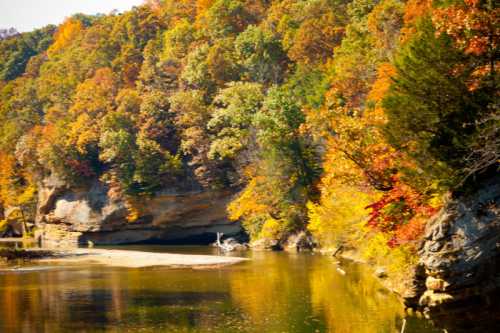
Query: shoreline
130	259
401	287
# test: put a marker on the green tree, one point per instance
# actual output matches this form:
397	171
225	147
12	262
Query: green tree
431	110
16	51
260	55
232	118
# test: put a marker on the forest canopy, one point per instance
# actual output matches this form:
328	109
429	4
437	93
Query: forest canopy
350	120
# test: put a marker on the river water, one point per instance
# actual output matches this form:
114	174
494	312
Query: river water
274	292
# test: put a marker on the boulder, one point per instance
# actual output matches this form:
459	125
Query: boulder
300	241
266	244
381	273
231	244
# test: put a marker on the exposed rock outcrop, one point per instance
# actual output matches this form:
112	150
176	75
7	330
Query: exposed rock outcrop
294	242
460	261
230	244
10	227
266	244
300	241
69	216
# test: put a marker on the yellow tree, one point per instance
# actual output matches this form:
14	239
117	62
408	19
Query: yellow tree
17	192
67	32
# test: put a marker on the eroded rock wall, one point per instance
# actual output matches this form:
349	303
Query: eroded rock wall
68	216
460	260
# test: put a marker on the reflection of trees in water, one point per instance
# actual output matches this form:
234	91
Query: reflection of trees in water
108	299
264	290
275	292
304	293
354	302
51	301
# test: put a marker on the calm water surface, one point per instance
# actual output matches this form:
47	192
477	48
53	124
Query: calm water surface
274	292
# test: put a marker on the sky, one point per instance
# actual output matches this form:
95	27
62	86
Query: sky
26	15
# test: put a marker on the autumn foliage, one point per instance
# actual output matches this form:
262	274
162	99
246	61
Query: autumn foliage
349	120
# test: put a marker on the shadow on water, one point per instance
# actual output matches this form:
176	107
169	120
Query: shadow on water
274	292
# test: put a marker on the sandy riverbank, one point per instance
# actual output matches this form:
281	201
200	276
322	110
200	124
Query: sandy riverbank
137	259
132	259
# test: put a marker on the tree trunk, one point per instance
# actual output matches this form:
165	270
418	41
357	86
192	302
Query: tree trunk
23	222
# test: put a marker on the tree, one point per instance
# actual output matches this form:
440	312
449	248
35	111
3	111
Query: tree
281	179
156	74
345	119
17	191
310	30
93	99
191	118
431	109
473	27
278	126
260	55
155	167
176	41
222	62
226	18
155	120
196	72
66	33
232	118
16	51
20	111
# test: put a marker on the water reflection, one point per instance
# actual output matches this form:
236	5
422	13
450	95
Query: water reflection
274	292
356	303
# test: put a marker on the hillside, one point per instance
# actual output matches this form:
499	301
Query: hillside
349	120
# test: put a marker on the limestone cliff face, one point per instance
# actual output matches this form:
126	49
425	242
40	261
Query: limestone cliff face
460	260
69	216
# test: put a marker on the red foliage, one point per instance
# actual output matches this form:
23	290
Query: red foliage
399	213
409	231
474	25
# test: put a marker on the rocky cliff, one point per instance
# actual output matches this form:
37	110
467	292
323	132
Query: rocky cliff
459	282
68	216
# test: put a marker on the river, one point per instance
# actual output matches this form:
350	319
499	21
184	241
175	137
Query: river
274	292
